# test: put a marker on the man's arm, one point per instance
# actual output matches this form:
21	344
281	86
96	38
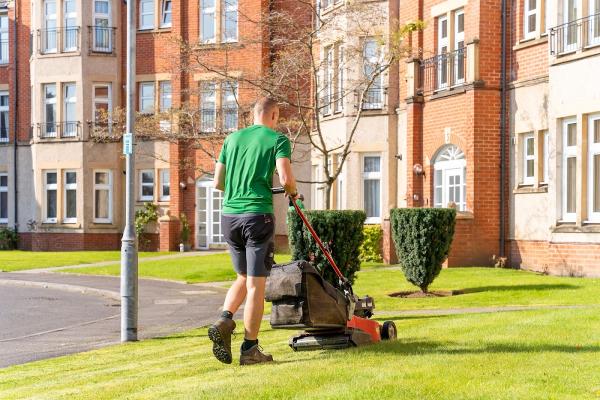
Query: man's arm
219	181
286	177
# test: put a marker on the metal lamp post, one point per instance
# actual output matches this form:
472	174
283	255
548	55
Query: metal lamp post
129	254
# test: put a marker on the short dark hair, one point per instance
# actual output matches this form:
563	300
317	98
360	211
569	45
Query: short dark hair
265	105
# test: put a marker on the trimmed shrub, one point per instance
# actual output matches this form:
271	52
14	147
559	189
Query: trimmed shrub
342	231
370	250
422	237
8	239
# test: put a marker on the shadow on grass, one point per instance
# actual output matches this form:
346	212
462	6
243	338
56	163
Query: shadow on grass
430	347
511	288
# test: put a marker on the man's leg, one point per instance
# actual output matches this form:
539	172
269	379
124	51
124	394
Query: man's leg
235	295
255	306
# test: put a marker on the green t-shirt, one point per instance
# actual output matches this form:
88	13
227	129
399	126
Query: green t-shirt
249	156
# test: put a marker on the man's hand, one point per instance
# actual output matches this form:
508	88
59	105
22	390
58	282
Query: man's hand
286	177
219	180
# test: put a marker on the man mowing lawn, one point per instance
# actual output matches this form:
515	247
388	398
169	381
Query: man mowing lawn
245	173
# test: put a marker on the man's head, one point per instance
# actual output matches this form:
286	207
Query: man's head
266	112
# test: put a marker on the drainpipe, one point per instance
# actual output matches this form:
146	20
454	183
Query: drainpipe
16	114
503	133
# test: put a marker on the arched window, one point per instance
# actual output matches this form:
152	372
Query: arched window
450	176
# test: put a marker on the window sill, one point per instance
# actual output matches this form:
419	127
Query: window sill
572	227
154	30
465	215
4	64
531	42
456	90
217	45
530	188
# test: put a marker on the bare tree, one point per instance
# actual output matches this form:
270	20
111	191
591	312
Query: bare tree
295	72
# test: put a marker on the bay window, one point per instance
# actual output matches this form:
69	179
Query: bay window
594	168
50	196
3	198
102	102
70	197
147	185
569	173
4	116
102	31
103	196
49	125
71	30
372	187
165	185
69	125
50	32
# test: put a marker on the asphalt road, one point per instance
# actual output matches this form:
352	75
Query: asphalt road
47	315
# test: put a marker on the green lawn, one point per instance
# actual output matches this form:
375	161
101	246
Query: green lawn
206	268
552	354
19	260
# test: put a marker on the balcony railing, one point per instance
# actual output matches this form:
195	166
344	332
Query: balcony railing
3	51
443	71
101	39
219	121
373	99
60	130
58	40
575	35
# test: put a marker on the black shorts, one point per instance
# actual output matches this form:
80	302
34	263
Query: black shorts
250	239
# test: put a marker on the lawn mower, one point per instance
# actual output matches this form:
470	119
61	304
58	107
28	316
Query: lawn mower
332	317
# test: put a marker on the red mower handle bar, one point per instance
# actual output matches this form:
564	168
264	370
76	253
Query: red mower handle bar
279	190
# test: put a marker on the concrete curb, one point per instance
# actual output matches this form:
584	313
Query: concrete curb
63	287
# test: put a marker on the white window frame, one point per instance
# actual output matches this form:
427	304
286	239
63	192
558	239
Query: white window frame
208	12
164	12
53	102
101	29
165	181
593	150
525	179
103	186
568	152
70	27
208	95
570	47
593	34
4	109
101	100
375	62
147	13
227	8
143	184
4	189
443	47
528	12
165	95
67	187
546	154
67	127
327	80
372	176
48	187
4	45
459	38
456	161
47	18
229	96
143	98
341	203
339	100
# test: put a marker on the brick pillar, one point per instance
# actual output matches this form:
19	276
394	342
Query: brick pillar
389	250
169	232
414	151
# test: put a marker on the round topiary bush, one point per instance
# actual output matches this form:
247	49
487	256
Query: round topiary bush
422	237
342	231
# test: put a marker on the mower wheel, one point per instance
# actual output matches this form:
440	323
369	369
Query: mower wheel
388	331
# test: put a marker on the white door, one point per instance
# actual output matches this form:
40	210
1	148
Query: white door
209	203
454	187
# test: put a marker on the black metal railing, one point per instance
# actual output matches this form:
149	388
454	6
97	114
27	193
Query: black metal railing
213	120
575	35
58	40
101	39
3	51
59	130
443	71
373	99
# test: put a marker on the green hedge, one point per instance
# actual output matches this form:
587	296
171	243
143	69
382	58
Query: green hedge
341	230
422	237
8	239
370	250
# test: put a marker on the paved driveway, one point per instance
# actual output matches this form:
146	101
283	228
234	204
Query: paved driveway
45	315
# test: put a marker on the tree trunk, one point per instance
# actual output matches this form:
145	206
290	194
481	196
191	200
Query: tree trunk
328	187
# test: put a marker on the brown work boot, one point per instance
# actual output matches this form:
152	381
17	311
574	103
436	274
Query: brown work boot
254	355
220	334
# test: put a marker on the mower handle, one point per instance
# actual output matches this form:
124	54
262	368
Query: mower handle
278	190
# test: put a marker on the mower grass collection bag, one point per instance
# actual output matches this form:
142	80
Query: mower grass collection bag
303	300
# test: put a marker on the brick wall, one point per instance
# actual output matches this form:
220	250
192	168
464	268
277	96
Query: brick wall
571	259
42	241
